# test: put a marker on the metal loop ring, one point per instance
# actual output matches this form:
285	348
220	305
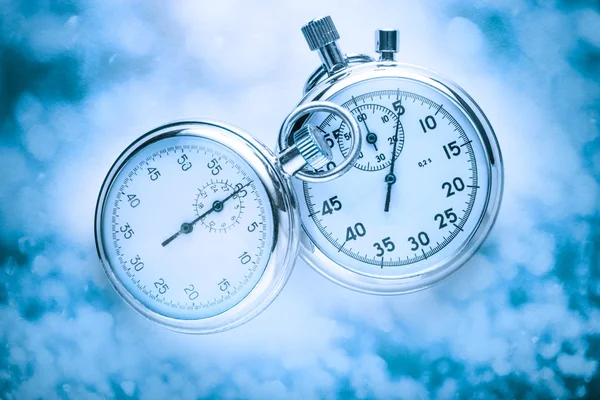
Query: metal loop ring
316	106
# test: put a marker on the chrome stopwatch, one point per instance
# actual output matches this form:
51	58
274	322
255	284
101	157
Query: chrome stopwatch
197	223
426	188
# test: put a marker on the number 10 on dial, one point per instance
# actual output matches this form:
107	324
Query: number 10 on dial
426	188
197	224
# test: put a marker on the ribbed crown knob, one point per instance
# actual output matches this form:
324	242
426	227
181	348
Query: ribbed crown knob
387	42
312	146
320	32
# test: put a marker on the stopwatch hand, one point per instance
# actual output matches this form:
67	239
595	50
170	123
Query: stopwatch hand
215	206
218	205
390	178
388	197
169	240
236	192
371	138
188	227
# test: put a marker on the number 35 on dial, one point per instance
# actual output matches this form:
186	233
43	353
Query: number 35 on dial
422	195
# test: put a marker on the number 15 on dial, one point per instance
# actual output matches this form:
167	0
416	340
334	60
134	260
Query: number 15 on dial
426	187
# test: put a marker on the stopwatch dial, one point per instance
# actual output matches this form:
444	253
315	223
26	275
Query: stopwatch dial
187	227
415	198
213	191
379	130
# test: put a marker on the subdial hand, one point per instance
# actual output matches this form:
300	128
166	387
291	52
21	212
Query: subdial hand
217	206
390	178
371	137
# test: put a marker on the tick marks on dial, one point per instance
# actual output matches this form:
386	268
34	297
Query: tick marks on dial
231	212
187	227
380	123
394	226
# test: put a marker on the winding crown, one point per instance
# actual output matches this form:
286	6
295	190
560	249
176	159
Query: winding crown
312	146
320	32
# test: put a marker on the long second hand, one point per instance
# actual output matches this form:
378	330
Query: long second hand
390	178
186	227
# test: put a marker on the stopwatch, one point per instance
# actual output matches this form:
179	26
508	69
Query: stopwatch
197	223
426	187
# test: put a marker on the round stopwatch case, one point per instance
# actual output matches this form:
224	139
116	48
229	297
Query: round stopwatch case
195	226
421	198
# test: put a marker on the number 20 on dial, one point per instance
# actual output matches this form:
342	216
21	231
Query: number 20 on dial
426	188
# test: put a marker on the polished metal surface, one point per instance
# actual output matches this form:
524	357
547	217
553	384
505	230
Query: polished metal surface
284	251
312	146
320	32
320	73
309	148
285	134
321	35
328	88
387	43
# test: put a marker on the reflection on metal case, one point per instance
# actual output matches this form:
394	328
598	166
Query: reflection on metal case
197	224
427	185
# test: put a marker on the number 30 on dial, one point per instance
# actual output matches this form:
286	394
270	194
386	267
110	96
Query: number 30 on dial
424	192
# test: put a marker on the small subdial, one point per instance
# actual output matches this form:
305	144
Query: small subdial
225	214
378	124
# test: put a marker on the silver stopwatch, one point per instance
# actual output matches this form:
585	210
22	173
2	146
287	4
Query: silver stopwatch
197	223
427	184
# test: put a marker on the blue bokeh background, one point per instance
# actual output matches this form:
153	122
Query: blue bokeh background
80	80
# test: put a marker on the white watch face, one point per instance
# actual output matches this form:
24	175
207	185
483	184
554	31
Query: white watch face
187	227
417	192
